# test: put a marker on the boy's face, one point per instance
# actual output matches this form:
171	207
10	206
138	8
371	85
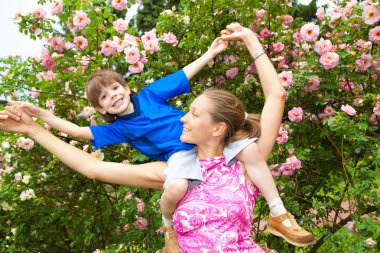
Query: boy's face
115	99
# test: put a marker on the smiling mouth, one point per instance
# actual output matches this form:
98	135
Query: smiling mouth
118	102
186	129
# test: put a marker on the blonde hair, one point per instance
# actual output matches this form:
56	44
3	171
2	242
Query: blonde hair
99	80
227	108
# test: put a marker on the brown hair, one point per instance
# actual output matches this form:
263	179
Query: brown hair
227	108
95	83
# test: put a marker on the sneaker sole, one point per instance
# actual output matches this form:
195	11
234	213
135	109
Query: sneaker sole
278	233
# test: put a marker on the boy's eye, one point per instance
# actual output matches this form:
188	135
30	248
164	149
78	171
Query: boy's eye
116	87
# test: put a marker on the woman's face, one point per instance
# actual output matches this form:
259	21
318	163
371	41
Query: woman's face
197	123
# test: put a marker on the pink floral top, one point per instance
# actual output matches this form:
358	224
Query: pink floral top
216	215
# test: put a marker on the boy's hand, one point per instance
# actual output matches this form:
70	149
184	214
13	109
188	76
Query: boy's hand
218	46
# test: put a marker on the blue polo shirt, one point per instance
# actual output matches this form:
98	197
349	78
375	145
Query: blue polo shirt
154	127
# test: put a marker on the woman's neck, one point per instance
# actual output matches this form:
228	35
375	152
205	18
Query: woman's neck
206	151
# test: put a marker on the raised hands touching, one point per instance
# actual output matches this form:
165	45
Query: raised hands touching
236	32
15	108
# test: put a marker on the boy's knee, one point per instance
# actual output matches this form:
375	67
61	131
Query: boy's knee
176	186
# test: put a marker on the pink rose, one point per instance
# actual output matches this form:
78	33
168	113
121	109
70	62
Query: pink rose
287	20
373	119
151	45
140	223
286	78
371	14
39	14
119	44
328	110
140	207
274	170
56	8
107	48
149	35
286	169
34	93
312	84
80	20
282	136
170	38
294	162
48	62
329	60
348	109
80	43
350	226
231	73
364	62
376	109
57	44
297	37
136	68
323	46
132	55
120	25
278	47
220	80
371	243
260	14
119	4
228	59
265	33
309	32
374	34
126	227
320	13
295	114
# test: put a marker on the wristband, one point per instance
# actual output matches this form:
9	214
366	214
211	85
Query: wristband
257	54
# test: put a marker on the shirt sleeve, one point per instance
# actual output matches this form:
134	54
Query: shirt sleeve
170	86
106	135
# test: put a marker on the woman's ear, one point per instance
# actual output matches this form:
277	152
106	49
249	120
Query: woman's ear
220	129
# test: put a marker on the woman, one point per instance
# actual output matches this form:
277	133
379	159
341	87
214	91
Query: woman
210	145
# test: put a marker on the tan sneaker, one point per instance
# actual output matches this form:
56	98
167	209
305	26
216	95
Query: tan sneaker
294	235
171	243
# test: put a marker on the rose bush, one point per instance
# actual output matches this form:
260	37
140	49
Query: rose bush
326	160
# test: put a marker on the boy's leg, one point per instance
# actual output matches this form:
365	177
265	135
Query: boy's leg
280	223
174	190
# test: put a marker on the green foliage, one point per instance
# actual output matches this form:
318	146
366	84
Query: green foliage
339	153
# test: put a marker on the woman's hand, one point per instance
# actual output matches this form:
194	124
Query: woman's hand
25	125
236	32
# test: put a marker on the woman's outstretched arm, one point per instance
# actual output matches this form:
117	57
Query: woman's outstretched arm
274	92
149	175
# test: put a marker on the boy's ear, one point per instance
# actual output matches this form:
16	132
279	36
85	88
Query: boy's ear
101	110
220	129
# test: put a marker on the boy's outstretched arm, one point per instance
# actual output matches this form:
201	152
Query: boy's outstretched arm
149	175
217	46
17	107
274	92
